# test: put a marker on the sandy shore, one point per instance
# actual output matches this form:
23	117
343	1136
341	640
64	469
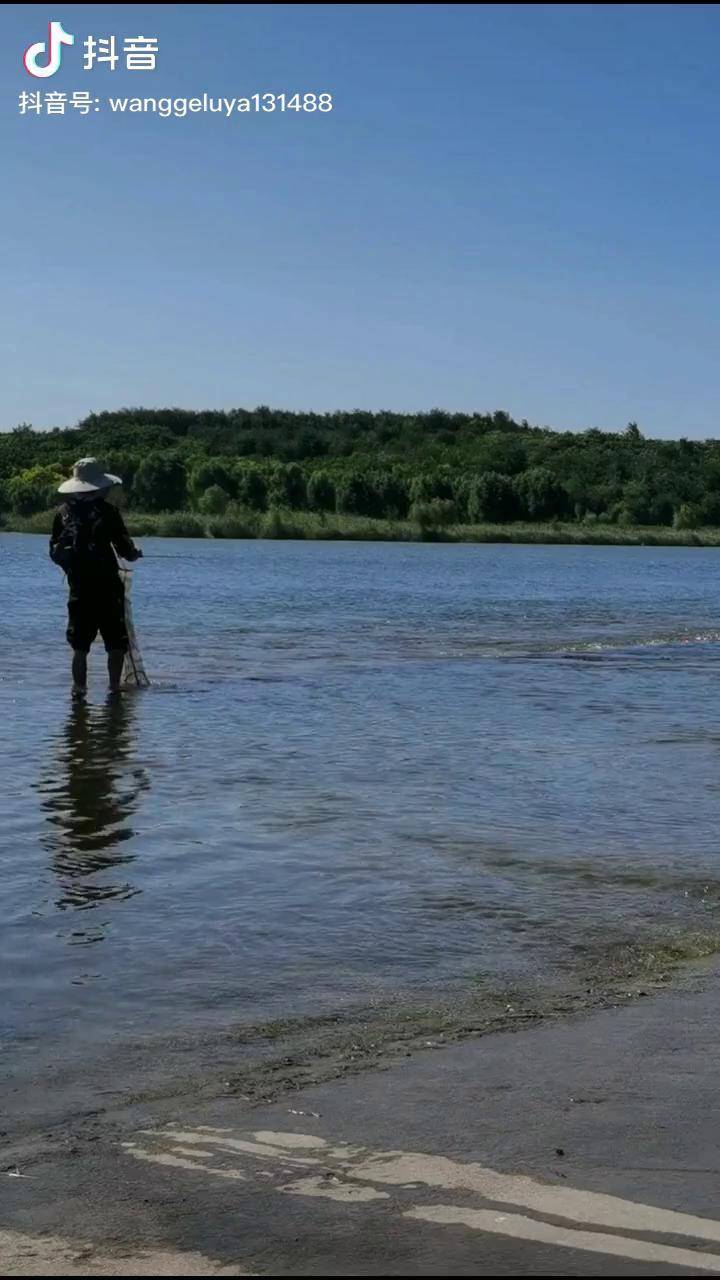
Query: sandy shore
589	1147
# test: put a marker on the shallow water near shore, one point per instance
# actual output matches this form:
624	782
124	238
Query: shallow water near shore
366	775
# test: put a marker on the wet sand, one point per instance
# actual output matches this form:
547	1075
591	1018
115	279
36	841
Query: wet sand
588	1146
260	1062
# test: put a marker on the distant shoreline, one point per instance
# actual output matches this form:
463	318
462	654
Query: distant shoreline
310	526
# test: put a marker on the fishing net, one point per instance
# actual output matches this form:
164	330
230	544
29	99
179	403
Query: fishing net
133	672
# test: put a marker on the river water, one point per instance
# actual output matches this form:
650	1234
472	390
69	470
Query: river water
363	771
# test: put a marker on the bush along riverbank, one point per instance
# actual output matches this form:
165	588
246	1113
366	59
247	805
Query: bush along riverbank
460	477
284	523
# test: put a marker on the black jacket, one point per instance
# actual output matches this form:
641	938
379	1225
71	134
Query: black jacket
109	537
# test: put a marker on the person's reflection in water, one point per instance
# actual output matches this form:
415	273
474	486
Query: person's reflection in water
89	799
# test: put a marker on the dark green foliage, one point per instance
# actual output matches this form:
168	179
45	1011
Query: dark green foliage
287	487
371	465
252	487
358	496
504	453
321	492
214	501
436	514
493	498
160	483
642	504
394	494
212	472
689	515
540	495
431	484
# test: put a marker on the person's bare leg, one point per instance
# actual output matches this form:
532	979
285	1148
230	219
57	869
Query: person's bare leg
79	670
115	660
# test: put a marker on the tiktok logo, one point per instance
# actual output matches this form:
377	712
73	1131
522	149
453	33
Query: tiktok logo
56	39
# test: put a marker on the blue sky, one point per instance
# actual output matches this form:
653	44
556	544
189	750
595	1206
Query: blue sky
510	206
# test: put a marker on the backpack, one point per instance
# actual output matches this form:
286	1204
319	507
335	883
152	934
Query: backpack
80	545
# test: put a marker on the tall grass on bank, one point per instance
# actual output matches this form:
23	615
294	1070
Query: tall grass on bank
279	523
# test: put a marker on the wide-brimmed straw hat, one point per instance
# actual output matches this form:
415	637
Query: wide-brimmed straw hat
88	477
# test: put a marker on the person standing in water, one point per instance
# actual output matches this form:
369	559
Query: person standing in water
88	534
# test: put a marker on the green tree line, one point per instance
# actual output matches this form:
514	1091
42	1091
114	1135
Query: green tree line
436	468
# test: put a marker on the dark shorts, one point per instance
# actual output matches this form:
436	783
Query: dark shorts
97	610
